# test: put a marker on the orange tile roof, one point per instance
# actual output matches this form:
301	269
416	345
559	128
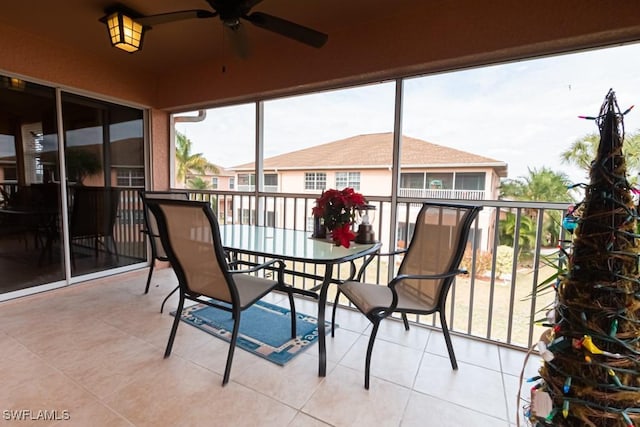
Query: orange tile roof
374	151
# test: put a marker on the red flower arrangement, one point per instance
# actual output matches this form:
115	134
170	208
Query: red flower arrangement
338	210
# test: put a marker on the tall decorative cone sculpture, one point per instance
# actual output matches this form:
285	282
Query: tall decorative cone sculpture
591	373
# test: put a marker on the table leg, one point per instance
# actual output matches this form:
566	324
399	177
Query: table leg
322	303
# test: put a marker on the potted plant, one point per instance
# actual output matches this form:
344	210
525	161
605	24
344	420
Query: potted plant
335	210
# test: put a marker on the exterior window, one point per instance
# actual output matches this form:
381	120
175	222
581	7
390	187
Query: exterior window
127	177
232	183
348	179
440	181
470	181
270	182
214	183
315	181
246	179
246	182
271	179
8	164
412	180
10	174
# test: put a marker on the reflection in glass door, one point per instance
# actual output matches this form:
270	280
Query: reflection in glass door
104	170
30	226
104	160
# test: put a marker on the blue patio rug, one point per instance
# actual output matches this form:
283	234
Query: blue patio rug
265	329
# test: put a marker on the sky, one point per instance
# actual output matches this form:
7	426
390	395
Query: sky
523	113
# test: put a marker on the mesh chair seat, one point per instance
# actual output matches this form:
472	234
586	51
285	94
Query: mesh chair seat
368	297
251	288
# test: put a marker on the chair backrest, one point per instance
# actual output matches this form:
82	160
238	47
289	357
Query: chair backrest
46	197
150	222
94	211
190	234
437	246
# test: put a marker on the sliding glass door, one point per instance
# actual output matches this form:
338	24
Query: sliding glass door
103	158
30	253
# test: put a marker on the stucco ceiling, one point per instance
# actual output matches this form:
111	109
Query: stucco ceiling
191	63
75	24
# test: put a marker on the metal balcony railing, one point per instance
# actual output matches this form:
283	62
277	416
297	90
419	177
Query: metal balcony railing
497	301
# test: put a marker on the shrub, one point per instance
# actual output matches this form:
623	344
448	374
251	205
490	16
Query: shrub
504	259
483	262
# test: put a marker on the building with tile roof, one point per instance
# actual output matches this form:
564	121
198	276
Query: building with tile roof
365	162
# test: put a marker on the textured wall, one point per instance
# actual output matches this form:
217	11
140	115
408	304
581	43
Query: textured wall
39	59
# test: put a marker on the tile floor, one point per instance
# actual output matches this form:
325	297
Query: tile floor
93	353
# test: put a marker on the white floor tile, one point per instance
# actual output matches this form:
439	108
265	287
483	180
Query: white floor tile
102	344
471	386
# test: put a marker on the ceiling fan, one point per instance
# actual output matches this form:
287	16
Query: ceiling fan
230	12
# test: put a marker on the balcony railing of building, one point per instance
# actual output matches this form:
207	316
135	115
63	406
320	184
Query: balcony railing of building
267	188
417	193
442	193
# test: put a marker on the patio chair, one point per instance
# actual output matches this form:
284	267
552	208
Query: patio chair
427	271
93	217
190	234
158	252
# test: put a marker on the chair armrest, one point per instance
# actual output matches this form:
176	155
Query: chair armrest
148	233
370	258
280	268
396	252
401	277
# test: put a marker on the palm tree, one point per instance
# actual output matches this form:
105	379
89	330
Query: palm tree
187	163
542	185
527	236
197	183
582	152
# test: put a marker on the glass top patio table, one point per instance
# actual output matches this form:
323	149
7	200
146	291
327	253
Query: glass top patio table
297	245
294	245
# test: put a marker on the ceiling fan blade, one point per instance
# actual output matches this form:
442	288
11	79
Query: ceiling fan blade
174	16
238	40
288	29
246	5
227	8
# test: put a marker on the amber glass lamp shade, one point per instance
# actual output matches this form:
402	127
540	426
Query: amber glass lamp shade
124	32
